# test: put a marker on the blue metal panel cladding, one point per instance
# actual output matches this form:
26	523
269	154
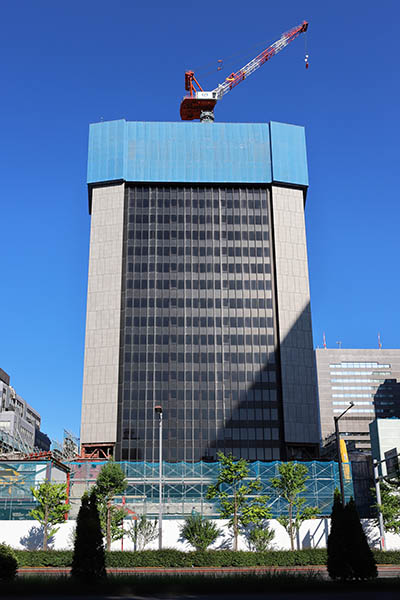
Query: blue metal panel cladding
196	152
288	154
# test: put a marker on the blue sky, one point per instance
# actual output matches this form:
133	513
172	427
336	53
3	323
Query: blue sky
65	65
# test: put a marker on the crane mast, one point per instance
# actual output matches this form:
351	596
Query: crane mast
199	104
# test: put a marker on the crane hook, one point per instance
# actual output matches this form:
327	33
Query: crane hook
306	61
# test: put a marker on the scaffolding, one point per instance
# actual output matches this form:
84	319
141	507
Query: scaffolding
184	486
17	477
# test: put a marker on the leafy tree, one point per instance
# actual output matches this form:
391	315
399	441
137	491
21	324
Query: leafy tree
199	532
390	506
142	532
52	500
236	498
260	537
110	482
88	562
289	485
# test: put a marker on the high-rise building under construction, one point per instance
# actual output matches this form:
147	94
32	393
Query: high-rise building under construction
198	293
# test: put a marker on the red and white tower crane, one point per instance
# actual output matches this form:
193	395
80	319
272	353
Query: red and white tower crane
199	104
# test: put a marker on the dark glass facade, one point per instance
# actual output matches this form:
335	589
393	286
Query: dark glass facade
198	325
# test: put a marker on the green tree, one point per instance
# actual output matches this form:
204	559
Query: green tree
88	562
237	500
289	485
199	532
110	482
390	507
52	507
142	532
261	536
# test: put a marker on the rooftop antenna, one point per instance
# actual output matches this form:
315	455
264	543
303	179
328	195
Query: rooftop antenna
324	339
379	342
339	344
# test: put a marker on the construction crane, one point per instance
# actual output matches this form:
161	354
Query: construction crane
199	104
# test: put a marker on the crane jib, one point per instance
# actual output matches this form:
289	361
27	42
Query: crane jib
200	103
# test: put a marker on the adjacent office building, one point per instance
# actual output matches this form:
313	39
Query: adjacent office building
370	378
198	293
19	422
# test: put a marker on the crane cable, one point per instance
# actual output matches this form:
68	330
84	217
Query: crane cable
305	49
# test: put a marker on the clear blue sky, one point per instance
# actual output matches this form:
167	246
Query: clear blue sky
67	64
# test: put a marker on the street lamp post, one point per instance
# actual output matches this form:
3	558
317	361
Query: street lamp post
377	478
382	539
337	434
159	412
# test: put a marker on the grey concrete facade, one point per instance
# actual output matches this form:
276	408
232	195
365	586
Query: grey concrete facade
369	378
102	343
299	386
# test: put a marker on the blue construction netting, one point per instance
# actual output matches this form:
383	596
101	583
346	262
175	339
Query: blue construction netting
184	485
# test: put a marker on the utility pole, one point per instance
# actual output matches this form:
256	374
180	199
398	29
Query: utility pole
337	434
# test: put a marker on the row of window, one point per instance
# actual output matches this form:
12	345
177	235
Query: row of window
352	387
198	284
351	396
202	235
200	219
200	376
252	398
231	251
252	251
356	410
233	322
250	358
193	203
203	340
199	267
373	381
149	302
380	373
194	453
359	365
265	433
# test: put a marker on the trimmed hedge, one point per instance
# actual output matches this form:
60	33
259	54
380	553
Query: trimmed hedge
211	558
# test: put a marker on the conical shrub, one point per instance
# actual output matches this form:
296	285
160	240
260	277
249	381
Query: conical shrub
88	562
339	566
361	558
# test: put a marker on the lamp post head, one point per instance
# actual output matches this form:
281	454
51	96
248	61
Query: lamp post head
158	410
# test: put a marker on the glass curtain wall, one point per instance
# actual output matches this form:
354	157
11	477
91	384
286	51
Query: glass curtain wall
198	325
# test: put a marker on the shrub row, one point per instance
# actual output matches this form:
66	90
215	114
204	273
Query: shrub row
176	558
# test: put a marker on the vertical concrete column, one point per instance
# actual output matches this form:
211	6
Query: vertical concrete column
100	377
300	408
